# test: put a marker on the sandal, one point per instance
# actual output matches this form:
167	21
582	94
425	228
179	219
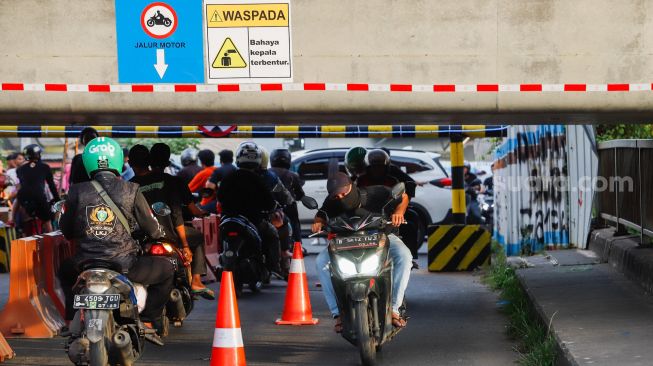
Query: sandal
205	293
398	321
338	326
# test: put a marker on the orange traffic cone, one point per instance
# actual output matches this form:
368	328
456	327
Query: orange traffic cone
297	310
228	349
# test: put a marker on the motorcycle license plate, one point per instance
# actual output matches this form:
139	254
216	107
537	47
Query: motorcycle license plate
356	242
96	302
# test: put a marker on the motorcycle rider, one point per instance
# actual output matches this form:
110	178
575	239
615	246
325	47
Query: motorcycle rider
32	177
189	162
345	197
158	186
102	234
380	171
226	167
207	159
77	172
248	192
280	160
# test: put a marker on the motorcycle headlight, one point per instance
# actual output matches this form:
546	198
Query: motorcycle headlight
370	265
347	267
485	207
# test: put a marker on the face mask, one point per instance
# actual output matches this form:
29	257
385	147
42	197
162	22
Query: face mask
351	201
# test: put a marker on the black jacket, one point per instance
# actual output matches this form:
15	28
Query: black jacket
245	193
96	230
292	181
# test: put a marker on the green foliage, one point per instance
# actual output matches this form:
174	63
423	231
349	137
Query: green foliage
536	344
177	145
624	131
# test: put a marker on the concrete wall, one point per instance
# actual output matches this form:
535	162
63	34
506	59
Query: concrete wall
376	41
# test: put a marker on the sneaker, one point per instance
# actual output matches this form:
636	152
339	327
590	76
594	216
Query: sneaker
415	264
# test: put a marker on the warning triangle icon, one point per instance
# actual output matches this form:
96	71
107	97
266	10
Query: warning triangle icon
215	18
228	57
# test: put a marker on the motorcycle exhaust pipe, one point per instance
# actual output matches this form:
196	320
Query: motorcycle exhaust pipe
122	345
178	309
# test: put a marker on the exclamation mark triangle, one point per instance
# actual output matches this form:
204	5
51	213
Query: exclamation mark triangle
228	57
215	18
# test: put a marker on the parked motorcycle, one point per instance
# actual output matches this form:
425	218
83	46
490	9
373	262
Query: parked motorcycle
242	250
361	273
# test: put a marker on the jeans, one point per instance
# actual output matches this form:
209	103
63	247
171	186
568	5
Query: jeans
402	261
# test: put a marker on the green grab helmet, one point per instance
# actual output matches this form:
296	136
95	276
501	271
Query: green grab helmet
355	160
102	154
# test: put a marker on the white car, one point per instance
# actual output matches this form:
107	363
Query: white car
430	202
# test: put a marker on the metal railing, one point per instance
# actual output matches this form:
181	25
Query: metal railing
625	185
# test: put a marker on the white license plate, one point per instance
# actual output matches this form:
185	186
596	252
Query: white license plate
96	302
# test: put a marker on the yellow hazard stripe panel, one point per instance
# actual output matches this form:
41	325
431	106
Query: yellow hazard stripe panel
287	131
457	154
457	247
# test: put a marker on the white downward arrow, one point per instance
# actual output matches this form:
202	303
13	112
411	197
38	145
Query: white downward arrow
161	65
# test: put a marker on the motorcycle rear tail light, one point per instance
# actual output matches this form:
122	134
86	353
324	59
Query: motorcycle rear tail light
158	249
232	233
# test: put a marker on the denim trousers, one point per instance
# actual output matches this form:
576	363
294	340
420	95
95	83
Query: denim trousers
402	262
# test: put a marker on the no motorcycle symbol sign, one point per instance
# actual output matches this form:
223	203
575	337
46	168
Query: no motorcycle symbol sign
159	20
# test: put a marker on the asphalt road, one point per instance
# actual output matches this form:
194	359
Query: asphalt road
454	321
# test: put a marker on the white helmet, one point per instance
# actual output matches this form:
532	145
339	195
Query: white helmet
248	155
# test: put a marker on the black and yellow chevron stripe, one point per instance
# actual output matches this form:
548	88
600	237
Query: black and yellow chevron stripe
263	131
457	247
7	234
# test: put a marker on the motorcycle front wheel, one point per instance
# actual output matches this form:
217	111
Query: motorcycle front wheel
366	342
167	22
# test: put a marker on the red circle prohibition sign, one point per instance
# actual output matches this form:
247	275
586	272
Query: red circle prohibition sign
144	21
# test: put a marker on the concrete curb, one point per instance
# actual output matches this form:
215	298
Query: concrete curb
564	356
625	254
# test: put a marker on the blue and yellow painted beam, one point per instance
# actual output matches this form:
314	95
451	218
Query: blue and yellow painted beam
264	131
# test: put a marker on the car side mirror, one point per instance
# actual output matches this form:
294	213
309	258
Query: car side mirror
161	209
309	202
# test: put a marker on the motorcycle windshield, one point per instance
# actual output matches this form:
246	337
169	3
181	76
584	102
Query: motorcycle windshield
351	224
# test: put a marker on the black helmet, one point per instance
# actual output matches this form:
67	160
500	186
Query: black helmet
377	157
467	165
32	152
188	156
280	158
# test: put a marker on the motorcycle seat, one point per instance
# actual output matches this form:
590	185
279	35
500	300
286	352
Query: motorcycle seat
99	263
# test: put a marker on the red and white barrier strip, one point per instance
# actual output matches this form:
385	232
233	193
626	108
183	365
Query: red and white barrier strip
271	87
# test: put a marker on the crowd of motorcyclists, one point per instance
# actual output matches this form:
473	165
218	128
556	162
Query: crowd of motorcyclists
108	204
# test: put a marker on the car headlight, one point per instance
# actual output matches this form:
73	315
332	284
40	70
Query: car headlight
370	265
347	267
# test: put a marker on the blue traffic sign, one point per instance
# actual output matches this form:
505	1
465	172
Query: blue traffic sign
160	41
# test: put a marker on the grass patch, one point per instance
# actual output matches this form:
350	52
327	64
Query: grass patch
536	346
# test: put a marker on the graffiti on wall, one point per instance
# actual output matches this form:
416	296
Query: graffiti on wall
531	195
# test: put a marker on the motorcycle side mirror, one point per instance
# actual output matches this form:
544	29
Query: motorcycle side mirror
309	202
58	206
206	192
161	209
398	190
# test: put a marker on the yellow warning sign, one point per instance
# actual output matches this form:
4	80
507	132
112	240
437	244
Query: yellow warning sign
215	18
247	15
229	57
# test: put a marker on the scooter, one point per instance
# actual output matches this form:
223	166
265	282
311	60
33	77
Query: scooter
107	329
181	300
242	250
361	273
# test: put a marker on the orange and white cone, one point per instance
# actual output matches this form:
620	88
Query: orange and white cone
228	349
297	310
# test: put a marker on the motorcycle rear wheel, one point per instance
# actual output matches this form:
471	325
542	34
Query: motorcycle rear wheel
366	342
